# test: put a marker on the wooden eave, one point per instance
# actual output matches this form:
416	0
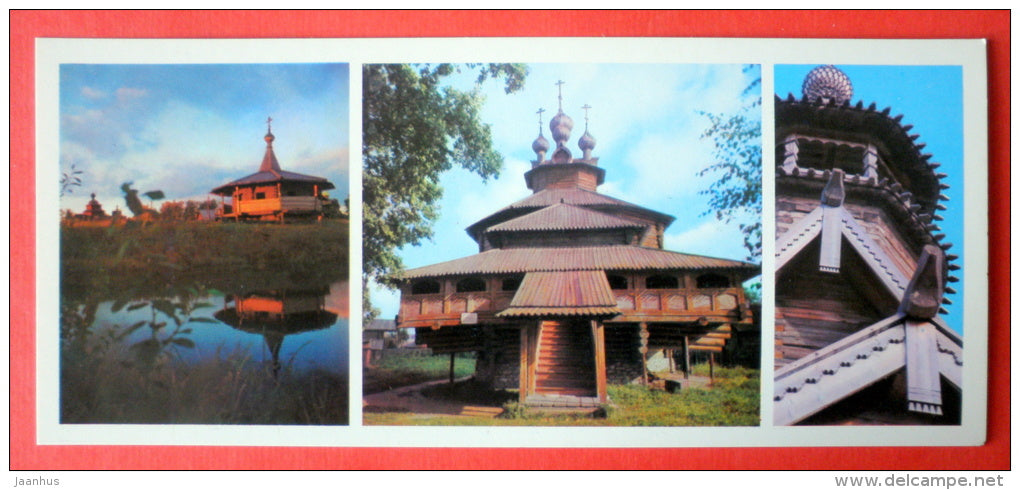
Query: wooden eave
613	257
865	124
823	378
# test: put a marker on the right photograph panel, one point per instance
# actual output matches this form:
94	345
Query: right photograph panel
869	234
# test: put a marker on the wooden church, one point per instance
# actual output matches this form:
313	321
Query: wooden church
272	194
572	289
861	270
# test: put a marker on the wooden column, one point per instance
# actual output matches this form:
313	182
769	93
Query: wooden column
643	335
599	337
529	348
687	357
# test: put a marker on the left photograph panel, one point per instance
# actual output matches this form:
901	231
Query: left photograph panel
204	240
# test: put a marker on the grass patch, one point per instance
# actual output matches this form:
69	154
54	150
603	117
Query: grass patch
733	400
229	256
394	371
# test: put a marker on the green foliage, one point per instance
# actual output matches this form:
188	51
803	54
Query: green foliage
414	128
736	192
394	371
134	203
70	180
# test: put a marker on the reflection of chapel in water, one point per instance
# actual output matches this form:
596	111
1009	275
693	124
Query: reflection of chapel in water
277	314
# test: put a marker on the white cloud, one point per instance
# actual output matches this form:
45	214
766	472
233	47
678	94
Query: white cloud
92	93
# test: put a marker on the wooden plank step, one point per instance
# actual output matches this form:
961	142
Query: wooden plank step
707	341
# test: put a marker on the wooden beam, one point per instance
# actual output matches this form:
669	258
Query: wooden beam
924	393
599	336
523	374
687	357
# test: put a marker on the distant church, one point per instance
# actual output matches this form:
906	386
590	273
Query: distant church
861	270
572	289
272	194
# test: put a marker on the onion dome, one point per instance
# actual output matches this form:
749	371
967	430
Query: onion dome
560	127
827	85
587	141
541	145
561	124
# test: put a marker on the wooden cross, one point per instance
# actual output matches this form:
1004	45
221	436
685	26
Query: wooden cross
559	85
540	111
269	123
586	107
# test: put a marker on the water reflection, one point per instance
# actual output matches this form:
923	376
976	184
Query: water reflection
274	315
205	355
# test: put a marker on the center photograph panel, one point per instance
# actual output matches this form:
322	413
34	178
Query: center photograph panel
617	285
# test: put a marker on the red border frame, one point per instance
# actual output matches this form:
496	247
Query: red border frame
26	26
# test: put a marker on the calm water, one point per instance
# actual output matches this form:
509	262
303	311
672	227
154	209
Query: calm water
301	330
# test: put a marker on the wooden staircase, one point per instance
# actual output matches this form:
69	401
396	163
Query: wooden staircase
714	340
566	364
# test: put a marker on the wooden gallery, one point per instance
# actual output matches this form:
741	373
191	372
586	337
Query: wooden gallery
573	289
861	271
272	194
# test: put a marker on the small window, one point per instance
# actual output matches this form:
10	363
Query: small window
662	282
617	281
470	284
713	281
260	195
511	283
427	286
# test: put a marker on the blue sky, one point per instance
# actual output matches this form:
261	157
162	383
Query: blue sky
648	130
185	129
931	99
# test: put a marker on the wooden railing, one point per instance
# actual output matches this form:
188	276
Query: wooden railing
711	302
271	205
644	300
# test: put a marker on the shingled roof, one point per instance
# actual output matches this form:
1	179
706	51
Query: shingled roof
616	257
563	217
574	197
566	293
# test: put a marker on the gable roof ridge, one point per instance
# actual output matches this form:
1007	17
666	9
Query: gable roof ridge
880	346
797	237
874	256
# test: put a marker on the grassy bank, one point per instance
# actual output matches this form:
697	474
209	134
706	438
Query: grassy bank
114	260
228	390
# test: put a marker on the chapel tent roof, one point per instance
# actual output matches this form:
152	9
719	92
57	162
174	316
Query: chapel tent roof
270	172
614	257
271	177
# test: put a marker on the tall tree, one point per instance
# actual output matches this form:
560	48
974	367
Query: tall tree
736	193
414	128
